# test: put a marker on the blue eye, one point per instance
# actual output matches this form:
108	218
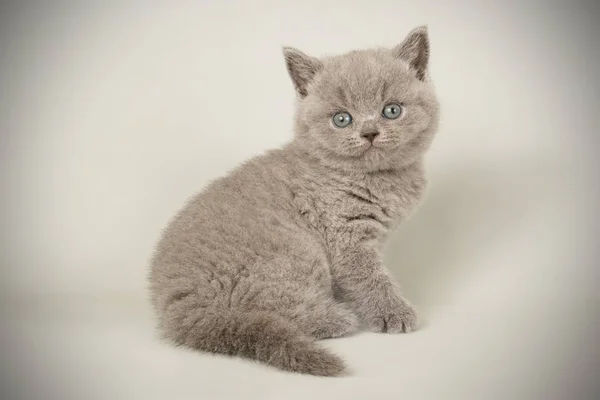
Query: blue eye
342	119
392	111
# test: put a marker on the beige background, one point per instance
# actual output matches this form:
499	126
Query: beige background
113	114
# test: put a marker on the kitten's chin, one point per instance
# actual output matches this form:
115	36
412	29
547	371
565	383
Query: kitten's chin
371	159
370	150
377	158
373	152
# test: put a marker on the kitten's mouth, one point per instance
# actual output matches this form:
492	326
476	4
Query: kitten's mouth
374	151
371	147
368	149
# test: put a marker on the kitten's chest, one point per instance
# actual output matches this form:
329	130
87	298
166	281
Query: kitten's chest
371	204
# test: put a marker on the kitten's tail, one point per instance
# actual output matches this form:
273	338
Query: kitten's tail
260	336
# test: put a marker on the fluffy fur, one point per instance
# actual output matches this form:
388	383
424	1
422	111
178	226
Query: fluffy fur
286	249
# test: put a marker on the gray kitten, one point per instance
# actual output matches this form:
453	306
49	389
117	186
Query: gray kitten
286	249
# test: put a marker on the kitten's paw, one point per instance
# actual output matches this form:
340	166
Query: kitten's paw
401	320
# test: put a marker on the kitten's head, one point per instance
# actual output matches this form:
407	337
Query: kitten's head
366	110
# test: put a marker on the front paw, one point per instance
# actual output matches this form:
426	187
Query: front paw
398	319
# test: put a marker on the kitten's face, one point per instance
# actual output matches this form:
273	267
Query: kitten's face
367	110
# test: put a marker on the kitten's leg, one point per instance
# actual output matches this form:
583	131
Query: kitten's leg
326	319
361	278
312	309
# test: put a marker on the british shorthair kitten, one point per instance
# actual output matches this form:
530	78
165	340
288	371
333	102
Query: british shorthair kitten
286	249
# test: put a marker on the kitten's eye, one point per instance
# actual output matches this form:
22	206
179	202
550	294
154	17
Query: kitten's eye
342	120
392	111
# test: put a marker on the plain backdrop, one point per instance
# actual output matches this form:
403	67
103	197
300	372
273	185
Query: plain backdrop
102	140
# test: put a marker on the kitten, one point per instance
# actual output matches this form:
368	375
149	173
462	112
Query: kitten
286	249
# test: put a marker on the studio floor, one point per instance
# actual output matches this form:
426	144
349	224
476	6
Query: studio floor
486	342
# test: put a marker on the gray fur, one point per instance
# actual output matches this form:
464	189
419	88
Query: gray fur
286	249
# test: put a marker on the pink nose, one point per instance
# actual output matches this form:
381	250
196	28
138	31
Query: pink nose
370	135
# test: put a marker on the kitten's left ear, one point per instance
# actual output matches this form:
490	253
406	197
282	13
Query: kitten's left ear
415	51
302	68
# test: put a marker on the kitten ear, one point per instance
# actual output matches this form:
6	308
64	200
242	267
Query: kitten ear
415	51
302	68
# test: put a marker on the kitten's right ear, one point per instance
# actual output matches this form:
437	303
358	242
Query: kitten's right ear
302	68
